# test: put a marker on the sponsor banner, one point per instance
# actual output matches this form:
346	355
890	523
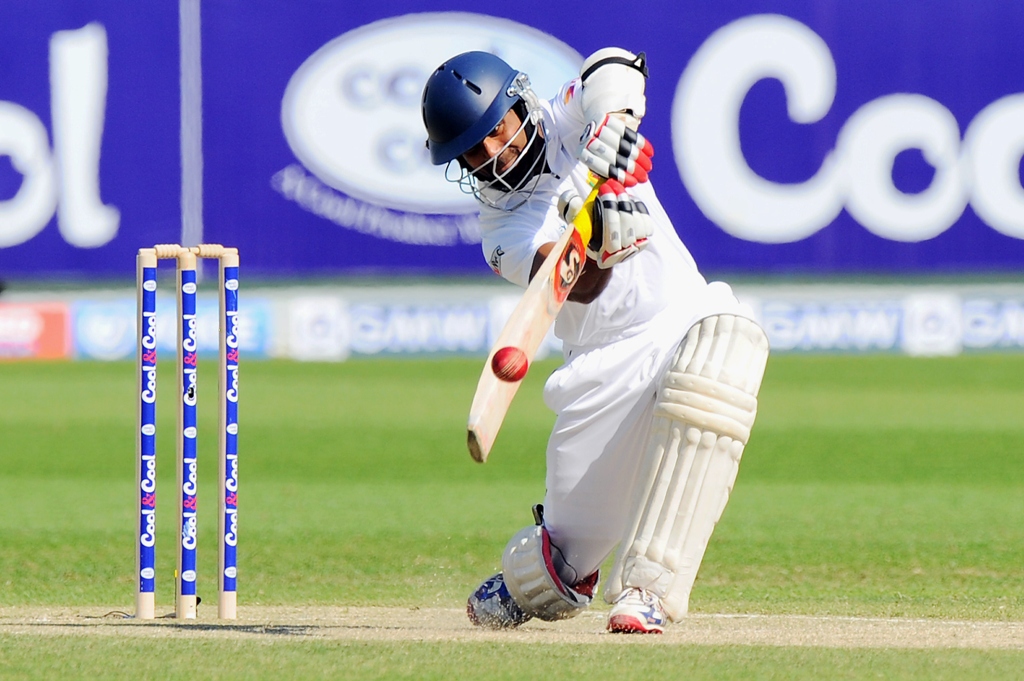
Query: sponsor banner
330	328
788	143
34	331
420	329
918	324
344	164
105	330
993	324
342	324
932	324
791	136
319	329
902	320
840	326
92	90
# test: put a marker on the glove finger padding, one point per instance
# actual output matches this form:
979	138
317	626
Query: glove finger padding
622	226
613	150
644	224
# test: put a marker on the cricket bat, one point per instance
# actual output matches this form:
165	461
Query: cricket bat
521	336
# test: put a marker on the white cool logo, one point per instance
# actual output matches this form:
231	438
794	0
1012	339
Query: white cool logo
231	535
66	180
188	342
149	334
351	113
231	338
858	173
188	487
149	392
231	480
148	483
148	538
231	394
188	538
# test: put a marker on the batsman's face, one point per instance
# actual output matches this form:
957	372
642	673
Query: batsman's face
504	145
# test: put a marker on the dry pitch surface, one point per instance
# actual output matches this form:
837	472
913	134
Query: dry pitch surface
444	624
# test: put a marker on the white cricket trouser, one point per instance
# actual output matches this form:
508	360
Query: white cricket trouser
604	399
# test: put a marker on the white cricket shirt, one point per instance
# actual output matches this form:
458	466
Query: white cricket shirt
662	274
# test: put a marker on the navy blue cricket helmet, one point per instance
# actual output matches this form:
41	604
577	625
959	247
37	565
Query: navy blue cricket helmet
464	100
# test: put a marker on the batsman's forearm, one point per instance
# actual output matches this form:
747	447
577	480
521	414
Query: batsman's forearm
592	281
539	257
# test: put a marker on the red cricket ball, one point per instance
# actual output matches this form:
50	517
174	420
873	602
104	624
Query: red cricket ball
510	364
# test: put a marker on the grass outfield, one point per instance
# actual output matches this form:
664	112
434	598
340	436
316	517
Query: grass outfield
872	487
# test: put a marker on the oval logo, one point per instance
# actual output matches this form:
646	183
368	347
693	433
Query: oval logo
351	112
105	331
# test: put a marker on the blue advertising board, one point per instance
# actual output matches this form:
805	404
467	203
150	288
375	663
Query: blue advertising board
89	144
791	136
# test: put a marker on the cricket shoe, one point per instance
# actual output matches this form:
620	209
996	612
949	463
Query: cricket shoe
637	611
492	606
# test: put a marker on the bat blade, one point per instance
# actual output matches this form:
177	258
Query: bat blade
526	328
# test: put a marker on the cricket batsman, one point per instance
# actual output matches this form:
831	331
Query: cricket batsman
658	390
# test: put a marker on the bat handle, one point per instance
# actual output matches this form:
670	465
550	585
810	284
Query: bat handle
584	219
578	212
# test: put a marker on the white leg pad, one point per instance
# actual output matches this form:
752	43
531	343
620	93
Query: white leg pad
702	419
529	565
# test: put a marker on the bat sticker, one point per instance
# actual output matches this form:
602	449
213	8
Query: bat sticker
568	268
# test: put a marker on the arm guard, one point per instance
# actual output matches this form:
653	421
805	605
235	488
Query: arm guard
614	80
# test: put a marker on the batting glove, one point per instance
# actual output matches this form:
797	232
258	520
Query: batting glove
613	150
622	226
